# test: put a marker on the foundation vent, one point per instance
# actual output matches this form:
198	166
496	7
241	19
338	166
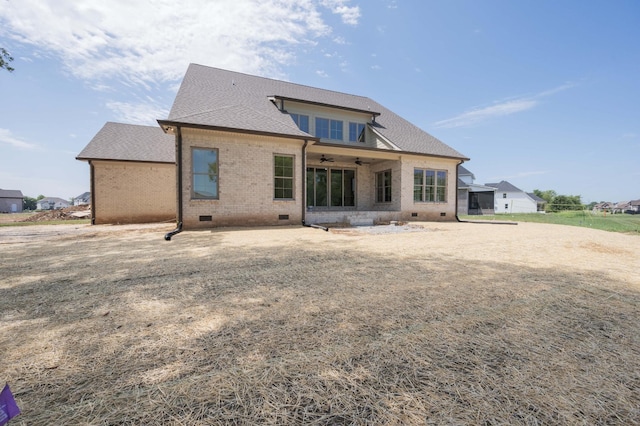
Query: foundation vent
414	214
206	218
443	214
283	217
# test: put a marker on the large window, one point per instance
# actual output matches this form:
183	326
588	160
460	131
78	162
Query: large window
329	187
430	185
302	121
383	187
283	177
204	163
356	132
329	129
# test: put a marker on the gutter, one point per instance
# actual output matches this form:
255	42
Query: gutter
178	229
93	192
304	190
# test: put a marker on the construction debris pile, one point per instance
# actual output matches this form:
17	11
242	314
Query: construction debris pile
69	213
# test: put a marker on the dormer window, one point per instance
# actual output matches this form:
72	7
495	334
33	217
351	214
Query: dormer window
356	132
329	129
302	121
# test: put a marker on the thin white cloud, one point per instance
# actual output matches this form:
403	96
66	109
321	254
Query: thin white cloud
144	43
145	113
322	73
349	14
503	108
7	137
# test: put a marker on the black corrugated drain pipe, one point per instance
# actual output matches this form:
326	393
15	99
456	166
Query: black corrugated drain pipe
304	191
178	229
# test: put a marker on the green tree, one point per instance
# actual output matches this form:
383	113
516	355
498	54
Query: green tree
29	203
547	195
5	58
565	202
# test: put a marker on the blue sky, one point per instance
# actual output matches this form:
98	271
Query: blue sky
542	93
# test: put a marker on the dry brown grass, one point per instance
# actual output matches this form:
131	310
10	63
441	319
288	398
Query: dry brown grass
457	324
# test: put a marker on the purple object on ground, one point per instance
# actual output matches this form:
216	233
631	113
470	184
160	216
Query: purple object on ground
8	407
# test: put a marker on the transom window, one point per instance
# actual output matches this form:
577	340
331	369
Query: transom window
356	132
204	172
329	129
302	121
283	177
383	187
331	187
430	185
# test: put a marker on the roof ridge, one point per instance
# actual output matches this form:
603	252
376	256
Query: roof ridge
283	81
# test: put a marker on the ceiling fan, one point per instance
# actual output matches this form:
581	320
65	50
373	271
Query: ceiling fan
359	162
324	159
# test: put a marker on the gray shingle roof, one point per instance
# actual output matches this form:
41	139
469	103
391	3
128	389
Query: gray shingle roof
11	193
130	142
226	99
504	186
535	198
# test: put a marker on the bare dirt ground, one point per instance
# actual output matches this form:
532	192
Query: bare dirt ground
436	323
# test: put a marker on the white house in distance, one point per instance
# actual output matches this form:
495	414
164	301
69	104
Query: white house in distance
473	198
510	199
52	203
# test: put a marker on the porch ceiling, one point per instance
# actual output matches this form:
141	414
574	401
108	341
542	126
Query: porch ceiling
348	155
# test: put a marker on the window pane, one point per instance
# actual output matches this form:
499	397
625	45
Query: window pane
430	177
205	186
349	187
304	123
336	188
322	128
205	161
336	130
321	187
311	198
356	132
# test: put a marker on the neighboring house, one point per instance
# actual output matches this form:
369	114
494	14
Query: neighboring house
510	199
52	203
540	202
473	199
602	207
620	207
634	206
82	199
256	151
132	173
11	201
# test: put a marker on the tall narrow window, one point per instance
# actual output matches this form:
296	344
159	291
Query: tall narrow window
356	132
383	187
283	177
441	186
418	185
302	121
204	171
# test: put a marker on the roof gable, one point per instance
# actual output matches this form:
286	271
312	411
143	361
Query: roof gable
227	99
11	193
130	142
504	186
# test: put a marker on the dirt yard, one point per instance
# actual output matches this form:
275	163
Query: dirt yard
436	323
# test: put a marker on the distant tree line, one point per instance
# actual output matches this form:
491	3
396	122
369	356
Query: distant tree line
556	203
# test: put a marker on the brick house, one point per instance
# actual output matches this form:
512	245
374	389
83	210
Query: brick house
132	174
256	151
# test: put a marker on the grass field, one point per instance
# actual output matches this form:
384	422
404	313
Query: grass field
613	223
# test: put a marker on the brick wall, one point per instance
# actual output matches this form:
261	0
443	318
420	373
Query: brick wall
245	181
132	192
